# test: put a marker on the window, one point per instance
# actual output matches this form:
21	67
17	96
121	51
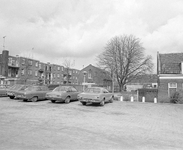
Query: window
73	89
36	73
62	68
9	61
58	68
30	62
89	74
13	62
58	75
22	72
37	64
172	87
29	72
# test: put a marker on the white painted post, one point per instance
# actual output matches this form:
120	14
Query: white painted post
121	98
131	98
155	100
143	99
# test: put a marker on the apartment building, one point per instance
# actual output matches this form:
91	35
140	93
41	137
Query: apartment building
16	69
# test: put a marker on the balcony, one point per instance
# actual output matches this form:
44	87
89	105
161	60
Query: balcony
13	65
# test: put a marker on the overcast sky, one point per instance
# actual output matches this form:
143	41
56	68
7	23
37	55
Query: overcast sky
51	30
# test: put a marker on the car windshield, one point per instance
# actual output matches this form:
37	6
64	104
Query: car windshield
23	88
17	86
92	90
32	88
61	88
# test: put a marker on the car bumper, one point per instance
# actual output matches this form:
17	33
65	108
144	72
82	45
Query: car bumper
55	99
90	100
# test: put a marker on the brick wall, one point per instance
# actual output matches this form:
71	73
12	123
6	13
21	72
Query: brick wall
163	89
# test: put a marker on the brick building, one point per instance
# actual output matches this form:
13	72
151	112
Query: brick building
170	75
15	69
95	75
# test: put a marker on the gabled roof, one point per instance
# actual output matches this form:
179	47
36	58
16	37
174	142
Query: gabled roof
107	74
171	58
170	63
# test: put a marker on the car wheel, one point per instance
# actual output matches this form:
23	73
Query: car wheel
102	103
12	97
67	100
53	101
111	100
34	99
84	103
24	100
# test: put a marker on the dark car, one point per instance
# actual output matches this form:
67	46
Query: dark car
96	95
62	94
32	93
17	87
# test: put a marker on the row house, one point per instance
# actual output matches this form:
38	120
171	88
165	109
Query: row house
170	75
15	69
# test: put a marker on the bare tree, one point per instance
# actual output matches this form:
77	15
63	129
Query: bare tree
68	63
124	57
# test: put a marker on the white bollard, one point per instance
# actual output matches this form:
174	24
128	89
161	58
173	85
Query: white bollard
121	98
143	99
155	100
131	98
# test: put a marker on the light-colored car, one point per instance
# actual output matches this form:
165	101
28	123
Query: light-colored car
96	95
3	90
63	94
17	87
32	93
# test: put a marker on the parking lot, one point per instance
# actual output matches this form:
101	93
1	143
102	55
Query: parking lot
117	125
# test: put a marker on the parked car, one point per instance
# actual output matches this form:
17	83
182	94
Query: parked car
11	90
3	90
63	94
96	95
32	93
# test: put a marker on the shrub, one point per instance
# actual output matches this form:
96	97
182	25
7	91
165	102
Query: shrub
177	97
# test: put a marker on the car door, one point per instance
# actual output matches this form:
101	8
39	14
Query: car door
39	92
74	93
71	93
44	91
